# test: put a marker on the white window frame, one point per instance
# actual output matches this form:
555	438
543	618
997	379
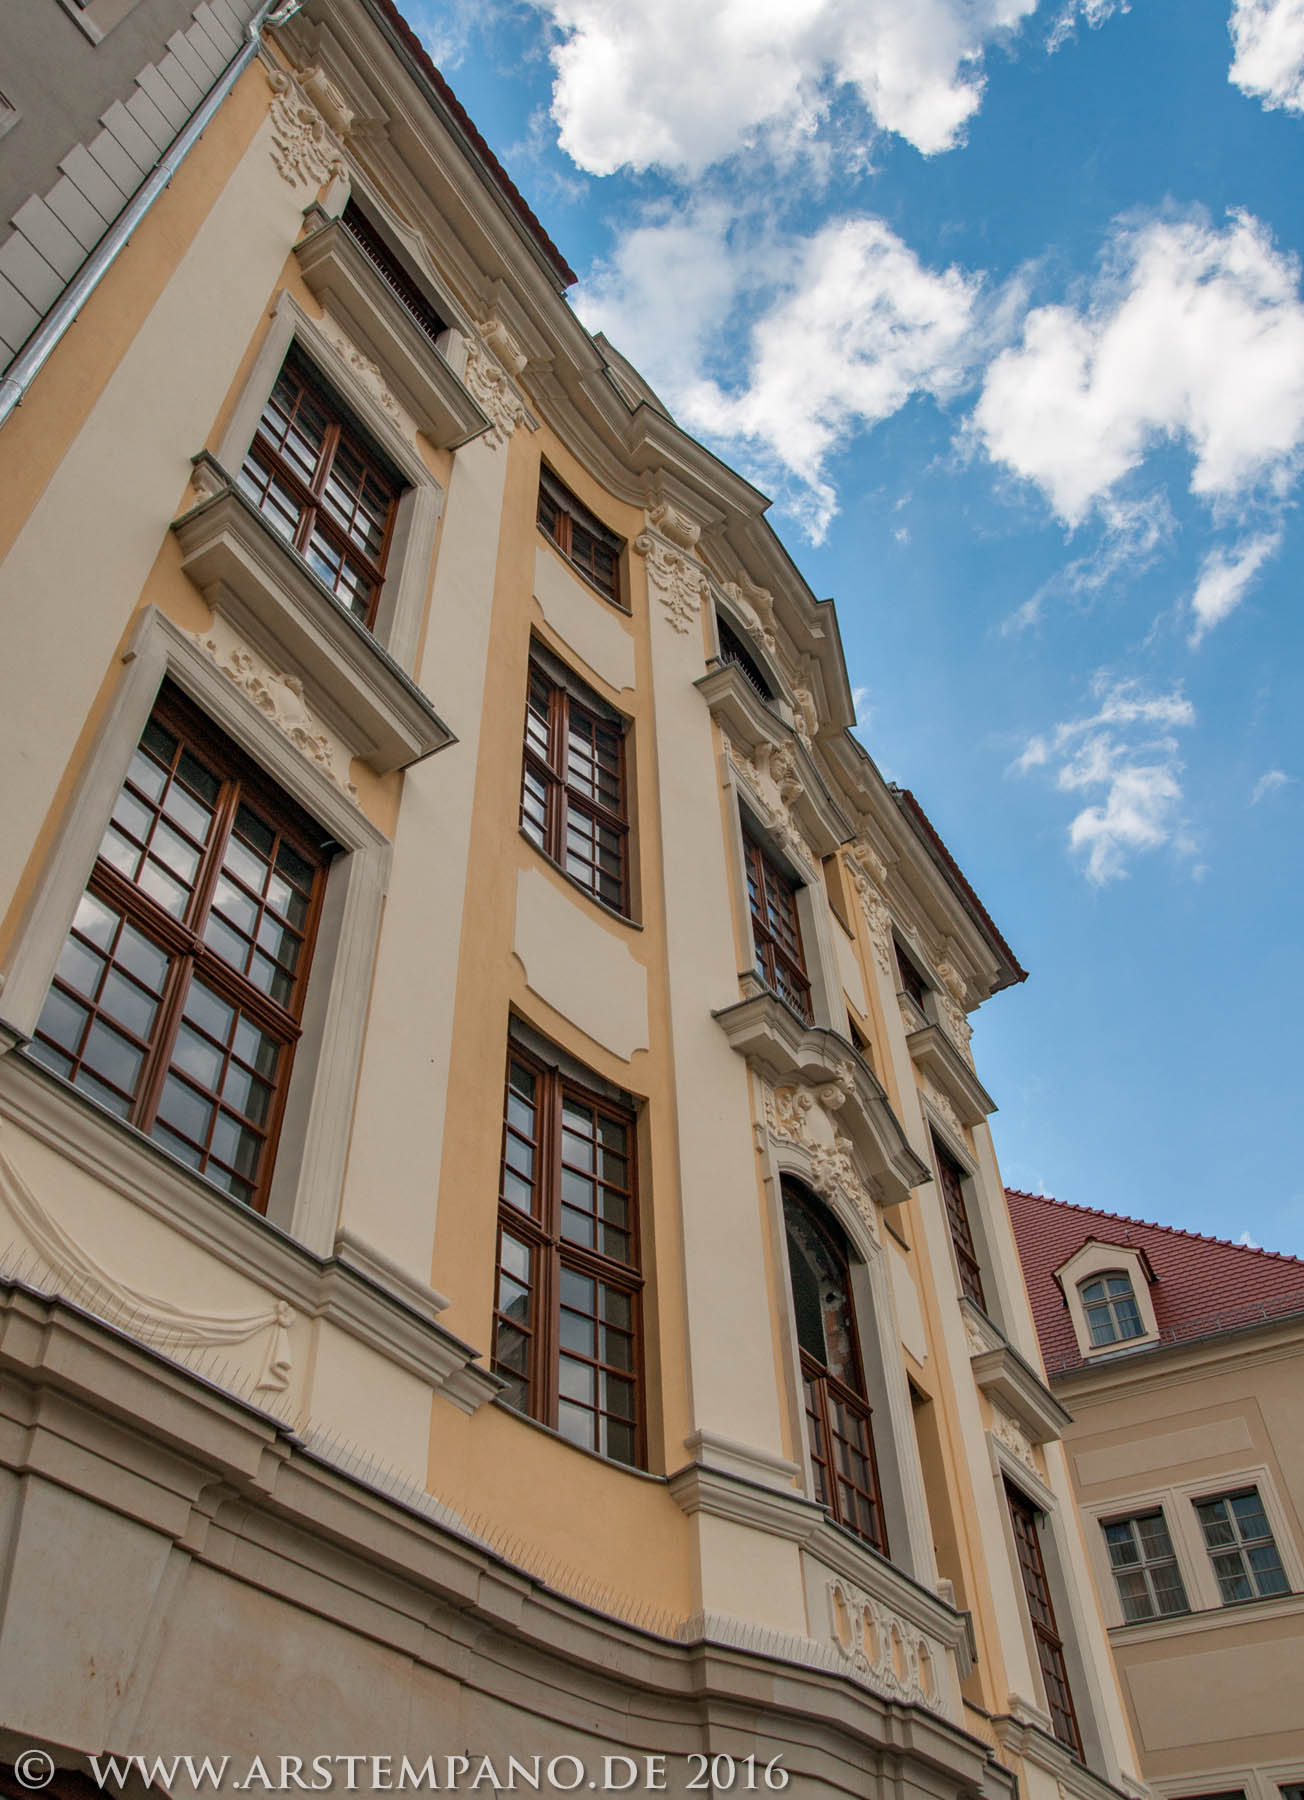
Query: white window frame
304	1197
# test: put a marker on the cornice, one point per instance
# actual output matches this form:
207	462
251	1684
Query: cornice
1011	1383
1158	1365
938	1059
1023	1733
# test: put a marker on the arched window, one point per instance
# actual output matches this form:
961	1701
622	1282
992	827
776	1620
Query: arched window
1111	1309
838	1424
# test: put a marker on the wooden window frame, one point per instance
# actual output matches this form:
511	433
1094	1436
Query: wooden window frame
182	942
1241	1545
1025	1518
769	883
562	797
1109	1305
1144	1566
951	1177
912	982
569	514
554	1253
341	432
826	1395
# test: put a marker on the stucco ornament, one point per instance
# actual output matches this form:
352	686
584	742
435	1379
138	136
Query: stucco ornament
950	1008
941	1105
369	375
978	1344
279	698
755	609
869	877
804	1117
885	1651
1009	1432
490	385
79	1275
674	575
806	723
774	784
303	149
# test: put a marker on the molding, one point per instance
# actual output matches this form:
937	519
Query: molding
1015	1387
269	594
346	1289
949	1074
721	1494
1208	1618
1025	1732
338	272
742	1461
792	1056
668	542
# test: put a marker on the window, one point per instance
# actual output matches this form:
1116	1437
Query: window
776	934
1050	1648
951	1176
838	1421
585	543
313	475
566	1324
1110	1308
912	982
391	271
736	653
1145	1567
1241	1546
177	998
573	783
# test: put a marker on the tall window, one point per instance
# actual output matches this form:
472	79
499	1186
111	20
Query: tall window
573	787
583	540
314	477
177	999
1144	1563
838	1424
1050	1647
776	934
566	1325
951	1176
1241	1546
1110	1308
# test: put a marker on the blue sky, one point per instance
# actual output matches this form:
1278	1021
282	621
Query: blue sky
1001	302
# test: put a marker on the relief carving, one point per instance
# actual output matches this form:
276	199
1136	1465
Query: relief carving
1009	1432
804	1117
869	876
303	150
775	785
369	374
950	1008
279	698
944	1109
885	1651
754	607
488	382
677	580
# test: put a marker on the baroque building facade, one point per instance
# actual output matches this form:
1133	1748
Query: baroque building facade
502	1248
1181	1359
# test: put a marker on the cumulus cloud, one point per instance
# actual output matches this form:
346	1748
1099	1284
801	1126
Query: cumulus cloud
1092	13
1268	41
1126	756
1268	784
844	327
682	85
1225	577
1190	334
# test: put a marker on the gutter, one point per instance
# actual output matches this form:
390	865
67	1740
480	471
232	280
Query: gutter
38	349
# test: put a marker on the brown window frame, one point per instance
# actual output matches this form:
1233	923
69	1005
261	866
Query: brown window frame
951	1177
561	516
912	982
771	889
828	1400
565	799
1025	1524
266	459
542	1229
181	941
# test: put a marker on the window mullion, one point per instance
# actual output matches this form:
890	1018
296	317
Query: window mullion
550	1259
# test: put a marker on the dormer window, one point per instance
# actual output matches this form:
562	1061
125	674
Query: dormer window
1110	1307
736	653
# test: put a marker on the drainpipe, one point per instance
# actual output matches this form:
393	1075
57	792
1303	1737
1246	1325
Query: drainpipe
36	352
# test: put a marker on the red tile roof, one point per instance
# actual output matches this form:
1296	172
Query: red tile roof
1202	1285
502	180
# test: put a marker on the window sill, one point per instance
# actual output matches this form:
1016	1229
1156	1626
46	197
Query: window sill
1233	1614
619	917
352	1289
271	596
338	273
558	1437
607	599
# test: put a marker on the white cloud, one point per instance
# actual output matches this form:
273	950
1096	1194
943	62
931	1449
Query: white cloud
1225	577
1092	13
682	85
1190	334
845	327
1269	783
864	711
1125	753
1248	1241
1268	39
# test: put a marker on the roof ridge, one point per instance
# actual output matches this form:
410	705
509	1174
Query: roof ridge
1202	1237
